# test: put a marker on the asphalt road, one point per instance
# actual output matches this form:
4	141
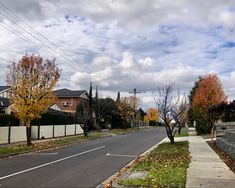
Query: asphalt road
79	165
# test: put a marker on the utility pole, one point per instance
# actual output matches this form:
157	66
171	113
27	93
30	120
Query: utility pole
134	115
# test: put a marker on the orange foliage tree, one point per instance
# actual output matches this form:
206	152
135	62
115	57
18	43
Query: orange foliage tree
32	81
153	115
208	93
126	107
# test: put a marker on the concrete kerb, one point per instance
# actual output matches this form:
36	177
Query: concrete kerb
127	168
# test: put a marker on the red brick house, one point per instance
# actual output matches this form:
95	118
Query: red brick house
68	100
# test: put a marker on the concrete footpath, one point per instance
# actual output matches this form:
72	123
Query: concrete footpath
206	169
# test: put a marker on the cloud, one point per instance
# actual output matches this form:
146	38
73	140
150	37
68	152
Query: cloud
120	45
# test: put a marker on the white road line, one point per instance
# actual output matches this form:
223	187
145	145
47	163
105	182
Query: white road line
118	155
46	164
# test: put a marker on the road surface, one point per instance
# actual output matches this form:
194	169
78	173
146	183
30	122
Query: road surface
79	165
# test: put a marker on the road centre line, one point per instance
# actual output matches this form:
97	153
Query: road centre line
53	162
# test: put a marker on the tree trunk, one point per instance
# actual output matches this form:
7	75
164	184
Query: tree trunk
84	132
179	130
172	139
28	133
170	135
85	129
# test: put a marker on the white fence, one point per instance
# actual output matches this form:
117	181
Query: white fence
12	134
17	134
52	131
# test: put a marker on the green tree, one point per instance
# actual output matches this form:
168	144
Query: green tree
118	98
90	116
81	116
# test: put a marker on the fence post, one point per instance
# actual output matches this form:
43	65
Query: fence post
65	130
75	131
53	131
9	134
38	132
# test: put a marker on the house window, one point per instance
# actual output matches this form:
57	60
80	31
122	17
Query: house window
64	104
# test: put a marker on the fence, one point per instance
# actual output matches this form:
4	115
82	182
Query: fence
222	126
52	131
11	134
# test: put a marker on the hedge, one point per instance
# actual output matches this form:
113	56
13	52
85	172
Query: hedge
8	120
54	119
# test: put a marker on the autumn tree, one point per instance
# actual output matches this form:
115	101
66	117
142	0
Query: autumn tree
126	108
170	107
32	80
153	116
208	93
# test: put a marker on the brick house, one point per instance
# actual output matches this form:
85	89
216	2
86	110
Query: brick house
68	100
4	100
5	105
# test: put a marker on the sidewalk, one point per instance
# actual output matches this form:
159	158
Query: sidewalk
206	169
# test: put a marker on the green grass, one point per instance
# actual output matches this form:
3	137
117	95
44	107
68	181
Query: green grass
166	165
44	145
183	134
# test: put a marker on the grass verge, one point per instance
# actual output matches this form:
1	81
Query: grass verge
183	134
15	149
166	167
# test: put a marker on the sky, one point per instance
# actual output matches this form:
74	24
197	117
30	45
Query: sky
119	45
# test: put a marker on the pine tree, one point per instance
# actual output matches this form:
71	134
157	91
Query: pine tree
118	97
97	112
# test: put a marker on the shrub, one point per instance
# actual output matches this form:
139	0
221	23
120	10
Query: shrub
54	119
9	120
202	128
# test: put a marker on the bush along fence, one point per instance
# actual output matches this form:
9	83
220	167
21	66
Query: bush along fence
10	134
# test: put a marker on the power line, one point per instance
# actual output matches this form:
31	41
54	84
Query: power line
28	40
51	45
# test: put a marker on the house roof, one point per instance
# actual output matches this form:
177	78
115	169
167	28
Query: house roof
2	88
4	102
69	93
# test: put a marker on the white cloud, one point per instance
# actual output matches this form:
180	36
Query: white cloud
120	44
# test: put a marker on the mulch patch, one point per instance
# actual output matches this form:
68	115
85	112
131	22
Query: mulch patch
224	156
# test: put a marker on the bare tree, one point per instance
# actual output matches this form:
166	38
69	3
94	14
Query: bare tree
170	106
180	112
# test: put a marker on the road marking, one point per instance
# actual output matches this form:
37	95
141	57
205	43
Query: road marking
43	153
53	162
118	155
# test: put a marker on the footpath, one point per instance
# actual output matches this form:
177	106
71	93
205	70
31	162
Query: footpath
206	169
